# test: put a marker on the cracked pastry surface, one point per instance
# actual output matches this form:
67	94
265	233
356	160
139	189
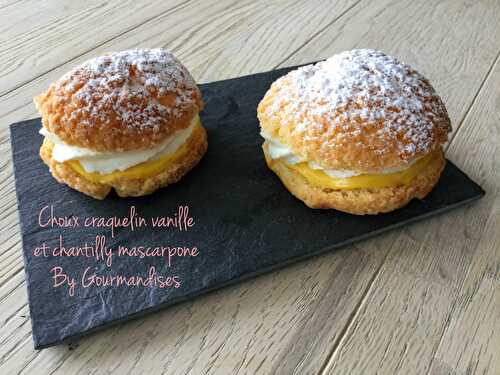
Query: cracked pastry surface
360	132
126	121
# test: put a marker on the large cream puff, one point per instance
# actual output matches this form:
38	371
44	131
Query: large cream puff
126	121
360	132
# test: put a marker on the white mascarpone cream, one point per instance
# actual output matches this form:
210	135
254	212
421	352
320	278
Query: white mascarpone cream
277	150
108	162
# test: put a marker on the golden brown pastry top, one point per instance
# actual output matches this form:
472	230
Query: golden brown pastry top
121	101
359	110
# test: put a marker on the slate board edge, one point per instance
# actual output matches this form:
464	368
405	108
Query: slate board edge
273	70
11	127
248	276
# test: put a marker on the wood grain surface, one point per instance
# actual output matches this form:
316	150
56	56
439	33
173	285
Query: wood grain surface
425	299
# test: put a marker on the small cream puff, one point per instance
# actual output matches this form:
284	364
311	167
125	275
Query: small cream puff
359	132
126	121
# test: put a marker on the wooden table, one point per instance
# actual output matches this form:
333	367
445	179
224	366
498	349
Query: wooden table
420	300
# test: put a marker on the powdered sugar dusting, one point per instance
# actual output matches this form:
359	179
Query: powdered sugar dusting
361	89
130	85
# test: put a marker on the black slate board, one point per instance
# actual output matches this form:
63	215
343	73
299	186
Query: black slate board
246	222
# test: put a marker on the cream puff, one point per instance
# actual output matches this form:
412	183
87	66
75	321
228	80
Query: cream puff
359	132
126	121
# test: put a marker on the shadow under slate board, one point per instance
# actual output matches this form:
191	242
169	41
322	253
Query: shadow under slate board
246	222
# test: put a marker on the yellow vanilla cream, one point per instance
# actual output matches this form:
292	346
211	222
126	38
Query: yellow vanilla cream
105	167
343	179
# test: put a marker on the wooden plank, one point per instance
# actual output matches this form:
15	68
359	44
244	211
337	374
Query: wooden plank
437	294
247	328
451	43
471	338
39	36
241	328
224	21
14	317
198	33
219	22
444	69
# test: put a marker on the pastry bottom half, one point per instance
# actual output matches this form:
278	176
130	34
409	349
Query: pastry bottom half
192	152
359	201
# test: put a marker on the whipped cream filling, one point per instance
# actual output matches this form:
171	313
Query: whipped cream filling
108	162
277	150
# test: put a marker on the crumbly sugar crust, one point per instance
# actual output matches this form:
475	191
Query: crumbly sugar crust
121	101
358	110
